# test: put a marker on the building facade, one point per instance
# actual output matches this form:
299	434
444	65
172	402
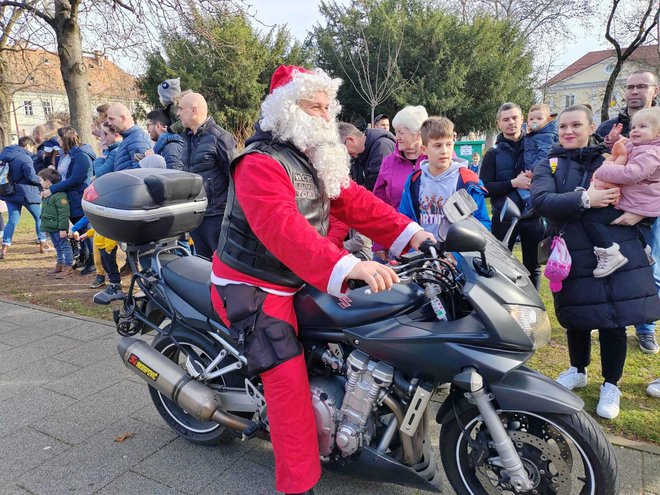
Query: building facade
585	79
37	89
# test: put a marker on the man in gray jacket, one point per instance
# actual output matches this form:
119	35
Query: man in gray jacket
207	151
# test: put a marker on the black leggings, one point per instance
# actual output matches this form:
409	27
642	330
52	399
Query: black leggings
613	348
595	222
531	233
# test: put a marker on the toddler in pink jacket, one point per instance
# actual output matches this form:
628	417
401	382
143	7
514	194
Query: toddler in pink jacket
636	170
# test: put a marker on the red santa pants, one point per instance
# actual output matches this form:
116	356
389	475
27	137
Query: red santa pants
290	415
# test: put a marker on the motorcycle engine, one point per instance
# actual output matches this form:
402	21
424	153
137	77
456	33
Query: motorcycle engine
343	408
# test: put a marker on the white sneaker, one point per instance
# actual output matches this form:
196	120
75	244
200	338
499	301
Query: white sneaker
572	379
608	405
608	260
654	388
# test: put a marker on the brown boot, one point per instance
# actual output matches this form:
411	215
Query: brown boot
56	270
67	271
44	248
3	251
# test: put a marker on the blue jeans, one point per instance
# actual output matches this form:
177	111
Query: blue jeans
62	248
14	212
652	238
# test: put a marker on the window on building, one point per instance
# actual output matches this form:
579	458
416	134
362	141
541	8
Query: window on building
48	107
570	101
27	107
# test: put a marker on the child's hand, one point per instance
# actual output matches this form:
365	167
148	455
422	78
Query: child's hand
82	237
614	135
619	152
63	234
75	236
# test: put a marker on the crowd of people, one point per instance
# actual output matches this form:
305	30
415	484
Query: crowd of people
353	200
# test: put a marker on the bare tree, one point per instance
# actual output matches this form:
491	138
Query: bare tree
120	24
641	24
534	18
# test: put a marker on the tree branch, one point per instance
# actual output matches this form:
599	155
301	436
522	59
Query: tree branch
30	8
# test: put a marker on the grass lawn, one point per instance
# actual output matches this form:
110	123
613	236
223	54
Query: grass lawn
22	278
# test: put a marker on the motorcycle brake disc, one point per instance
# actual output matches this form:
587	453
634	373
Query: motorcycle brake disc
559	480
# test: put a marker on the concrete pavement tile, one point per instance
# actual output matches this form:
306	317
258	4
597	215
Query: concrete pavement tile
91	379
131	482
5	326
5	347
88	330
97	412
651	464
27	408
337	484
243	478
18	357
190	467
24	450
150	416
91	352
28	317
261	453
630	463
92	465
19	380
13	490
25	335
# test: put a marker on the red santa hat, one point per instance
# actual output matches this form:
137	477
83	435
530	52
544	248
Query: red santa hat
284	75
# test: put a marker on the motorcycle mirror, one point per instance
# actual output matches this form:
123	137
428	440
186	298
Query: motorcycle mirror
463	237
510	211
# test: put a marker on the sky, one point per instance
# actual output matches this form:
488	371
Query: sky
302	15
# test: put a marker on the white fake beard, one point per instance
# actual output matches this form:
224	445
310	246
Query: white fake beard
320	142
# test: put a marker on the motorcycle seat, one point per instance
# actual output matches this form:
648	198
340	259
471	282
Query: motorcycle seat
190	278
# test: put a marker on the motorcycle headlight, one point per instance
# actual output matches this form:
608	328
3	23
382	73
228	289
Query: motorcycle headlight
533	321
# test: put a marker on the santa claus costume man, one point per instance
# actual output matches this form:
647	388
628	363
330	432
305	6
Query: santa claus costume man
294	174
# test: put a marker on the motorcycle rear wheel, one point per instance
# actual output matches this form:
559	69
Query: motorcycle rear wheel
562	454
184	424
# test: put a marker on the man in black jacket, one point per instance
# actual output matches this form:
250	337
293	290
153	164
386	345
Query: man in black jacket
641	90
207	151
502	174
367	150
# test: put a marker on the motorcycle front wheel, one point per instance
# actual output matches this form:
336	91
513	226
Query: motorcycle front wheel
177	418
562	454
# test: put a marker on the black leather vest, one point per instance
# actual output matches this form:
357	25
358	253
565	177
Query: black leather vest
239	247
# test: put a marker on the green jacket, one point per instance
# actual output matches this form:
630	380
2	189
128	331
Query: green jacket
55	212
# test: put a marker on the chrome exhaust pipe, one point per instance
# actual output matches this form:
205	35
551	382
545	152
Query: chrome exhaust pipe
170	380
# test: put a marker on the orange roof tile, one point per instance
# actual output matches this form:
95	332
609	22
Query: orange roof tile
646	54
39	70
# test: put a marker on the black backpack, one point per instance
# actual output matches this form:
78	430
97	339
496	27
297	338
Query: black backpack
6	186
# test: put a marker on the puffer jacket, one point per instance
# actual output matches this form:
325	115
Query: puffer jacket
538	144
169	146
502	163
208	153
55	213
135	140
22	175
78	177
626	297
105	164
364	169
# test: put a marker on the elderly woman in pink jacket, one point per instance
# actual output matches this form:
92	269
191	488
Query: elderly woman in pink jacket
404	160
636	169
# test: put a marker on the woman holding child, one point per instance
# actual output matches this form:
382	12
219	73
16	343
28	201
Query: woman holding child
562	192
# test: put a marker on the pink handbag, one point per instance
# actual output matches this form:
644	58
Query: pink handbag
559	264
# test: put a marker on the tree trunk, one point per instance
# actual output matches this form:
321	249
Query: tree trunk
74	72
604	109
5	109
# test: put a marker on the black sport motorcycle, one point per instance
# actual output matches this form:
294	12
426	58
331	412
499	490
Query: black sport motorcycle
374	362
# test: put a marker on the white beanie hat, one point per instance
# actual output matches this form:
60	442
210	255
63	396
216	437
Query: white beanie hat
411	118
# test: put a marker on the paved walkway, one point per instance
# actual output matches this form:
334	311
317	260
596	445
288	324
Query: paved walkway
65	397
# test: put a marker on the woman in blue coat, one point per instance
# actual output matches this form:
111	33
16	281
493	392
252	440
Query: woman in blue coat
26	191
561	192
77	174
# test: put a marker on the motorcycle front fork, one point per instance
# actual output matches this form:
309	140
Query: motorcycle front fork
472	382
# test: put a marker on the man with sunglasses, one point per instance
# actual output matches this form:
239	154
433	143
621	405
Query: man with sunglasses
641	90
